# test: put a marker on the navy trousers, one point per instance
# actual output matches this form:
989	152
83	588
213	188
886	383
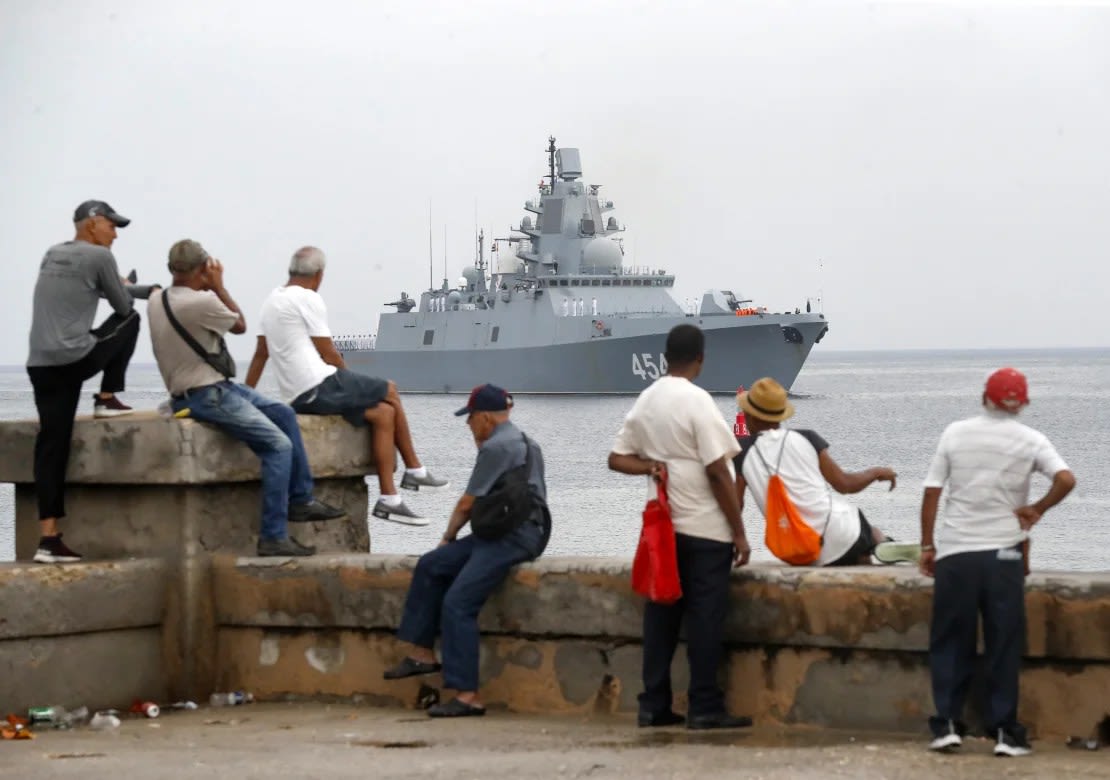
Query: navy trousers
449	586
703	570
990	583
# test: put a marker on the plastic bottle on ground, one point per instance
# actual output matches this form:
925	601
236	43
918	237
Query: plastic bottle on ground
230	699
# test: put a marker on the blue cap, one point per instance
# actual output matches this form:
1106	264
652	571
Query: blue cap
486	398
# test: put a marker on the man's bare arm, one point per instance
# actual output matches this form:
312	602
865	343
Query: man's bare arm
328	353
635	465
459	517
1062	484
724	490
852	481
929	503
258	362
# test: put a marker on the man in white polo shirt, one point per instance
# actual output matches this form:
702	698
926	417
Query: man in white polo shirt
985	463
313	378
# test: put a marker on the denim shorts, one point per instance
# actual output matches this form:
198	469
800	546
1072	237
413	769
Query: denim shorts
345	393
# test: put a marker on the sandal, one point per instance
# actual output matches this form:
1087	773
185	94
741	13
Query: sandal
410	667
455	709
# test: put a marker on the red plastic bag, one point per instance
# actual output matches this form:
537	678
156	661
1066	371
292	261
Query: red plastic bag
655	567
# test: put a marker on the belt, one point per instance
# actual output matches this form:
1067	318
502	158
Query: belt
185	393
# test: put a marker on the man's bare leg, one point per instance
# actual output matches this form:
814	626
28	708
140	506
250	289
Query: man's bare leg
402	435
383	418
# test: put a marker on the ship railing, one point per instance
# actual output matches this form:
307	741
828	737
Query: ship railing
356	343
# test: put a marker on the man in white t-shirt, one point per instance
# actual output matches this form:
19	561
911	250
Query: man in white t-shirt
801	458
187	325
675	425
312	377
976	554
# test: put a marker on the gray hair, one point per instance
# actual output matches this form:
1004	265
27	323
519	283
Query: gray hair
307	261
186	256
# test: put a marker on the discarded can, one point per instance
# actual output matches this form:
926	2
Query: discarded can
1079	743
147	708
183	705
47	715
102	721
230	699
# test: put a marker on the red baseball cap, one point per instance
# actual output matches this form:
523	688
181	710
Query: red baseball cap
1007	389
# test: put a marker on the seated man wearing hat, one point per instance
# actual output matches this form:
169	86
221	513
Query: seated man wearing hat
451	583
801	458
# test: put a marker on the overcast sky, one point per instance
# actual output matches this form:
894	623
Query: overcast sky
940	173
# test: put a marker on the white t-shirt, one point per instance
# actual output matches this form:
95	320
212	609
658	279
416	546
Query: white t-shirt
291	317
985	463
824	510
676	422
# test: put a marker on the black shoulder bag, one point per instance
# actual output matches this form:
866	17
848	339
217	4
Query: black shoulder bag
509	503
222	362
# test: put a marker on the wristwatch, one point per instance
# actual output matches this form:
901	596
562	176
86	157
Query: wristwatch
928	548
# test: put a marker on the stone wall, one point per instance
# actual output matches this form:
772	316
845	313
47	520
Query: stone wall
841	648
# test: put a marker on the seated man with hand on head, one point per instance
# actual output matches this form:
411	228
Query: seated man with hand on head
801	458
190	363
313	378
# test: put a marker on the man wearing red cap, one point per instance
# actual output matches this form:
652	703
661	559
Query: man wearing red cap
984	463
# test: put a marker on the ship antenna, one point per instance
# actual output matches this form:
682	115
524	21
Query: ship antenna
551	160
431	283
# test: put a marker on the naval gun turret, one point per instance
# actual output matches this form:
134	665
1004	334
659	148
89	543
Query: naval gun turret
404	305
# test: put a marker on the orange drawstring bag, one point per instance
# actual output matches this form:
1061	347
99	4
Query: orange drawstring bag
787	535
655	567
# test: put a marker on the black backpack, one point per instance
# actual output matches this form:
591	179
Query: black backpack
509	503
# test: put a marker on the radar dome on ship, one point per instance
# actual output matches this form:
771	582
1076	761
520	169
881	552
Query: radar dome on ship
602	252
453	298
471	274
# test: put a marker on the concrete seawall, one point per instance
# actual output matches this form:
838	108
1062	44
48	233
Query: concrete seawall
843	648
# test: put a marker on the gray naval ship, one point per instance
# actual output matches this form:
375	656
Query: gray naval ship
555	310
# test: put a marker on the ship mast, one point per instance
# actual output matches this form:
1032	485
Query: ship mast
551	161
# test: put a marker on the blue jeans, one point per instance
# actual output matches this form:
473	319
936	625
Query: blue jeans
270	429
449	587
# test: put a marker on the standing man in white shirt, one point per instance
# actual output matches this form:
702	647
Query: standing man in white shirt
675	425
313	378
985	463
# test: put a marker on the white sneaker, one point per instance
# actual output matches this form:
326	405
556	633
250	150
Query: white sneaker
397	513
897	552
1011	746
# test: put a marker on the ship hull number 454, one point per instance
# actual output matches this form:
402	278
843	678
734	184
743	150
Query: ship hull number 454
647	367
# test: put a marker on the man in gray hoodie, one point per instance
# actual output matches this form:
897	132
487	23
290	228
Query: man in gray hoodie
65	350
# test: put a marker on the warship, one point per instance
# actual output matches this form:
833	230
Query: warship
554	309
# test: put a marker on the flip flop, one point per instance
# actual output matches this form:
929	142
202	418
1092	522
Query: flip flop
455	709
410	667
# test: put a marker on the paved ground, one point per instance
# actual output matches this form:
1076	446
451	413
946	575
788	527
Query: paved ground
343	741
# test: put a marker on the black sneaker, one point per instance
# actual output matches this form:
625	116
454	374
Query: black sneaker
53	550
719	720
284	547
314	511
947	737
657	719
1012	745
109	407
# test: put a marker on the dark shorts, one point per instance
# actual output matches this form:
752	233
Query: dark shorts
345	393
863	545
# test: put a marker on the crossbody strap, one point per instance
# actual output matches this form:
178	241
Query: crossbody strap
204	354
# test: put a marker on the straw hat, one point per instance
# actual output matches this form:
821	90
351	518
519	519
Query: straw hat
766	401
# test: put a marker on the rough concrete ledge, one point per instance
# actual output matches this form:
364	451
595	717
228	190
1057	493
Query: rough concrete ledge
866	608
145	448
42	601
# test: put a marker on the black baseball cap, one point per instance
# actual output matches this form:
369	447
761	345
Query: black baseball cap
98	208
486	398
